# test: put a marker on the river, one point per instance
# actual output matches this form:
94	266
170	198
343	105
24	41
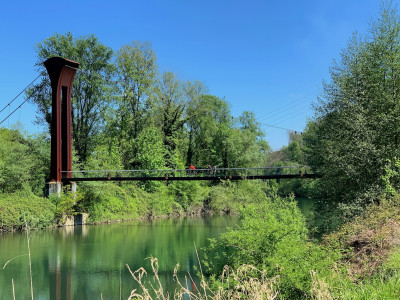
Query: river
87	262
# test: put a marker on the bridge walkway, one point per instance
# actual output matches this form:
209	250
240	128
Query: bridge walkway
213	174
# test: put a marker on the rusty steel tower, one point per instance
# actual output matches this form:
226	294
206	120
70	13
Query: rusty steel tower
61	72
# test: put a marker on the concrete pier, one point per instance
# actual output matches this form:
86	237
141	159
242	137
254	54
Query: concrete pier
54	188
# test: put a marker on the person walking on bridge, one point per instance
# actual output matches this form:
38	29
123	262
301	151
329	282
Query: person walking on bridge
191	169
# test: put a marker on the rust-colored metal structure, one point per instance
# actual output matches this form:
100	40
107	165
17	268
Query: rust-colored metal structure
61	72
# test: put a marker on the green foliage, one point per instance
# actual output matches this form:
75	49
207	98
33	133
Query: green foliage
189	195
231	197
356	127
171	106
160	203
19	207
390	180
209	125
273	236
107	201
136	66
246	147
67	203
23	162
150	149
91	90
295	152
104	157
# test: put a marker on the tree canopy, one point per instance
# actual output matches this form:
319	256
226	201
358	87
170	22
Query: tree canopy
92	87
122	104
354	136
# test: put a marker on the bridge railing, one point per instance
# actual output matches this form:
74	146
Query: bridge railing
180	173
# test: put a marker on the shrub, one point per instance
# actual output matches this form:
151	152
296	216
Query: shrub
107	201
231	197
273	237
19	207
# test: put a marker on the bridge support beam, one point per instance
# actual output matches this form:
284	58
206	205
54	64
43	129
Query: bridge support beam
61	72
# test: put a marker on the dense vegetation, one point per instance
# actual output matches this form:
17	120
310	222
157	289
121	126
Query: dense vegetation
126	115
353	143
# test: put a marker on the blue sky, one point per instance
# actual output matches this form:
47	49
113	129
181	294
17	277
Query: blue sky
268	57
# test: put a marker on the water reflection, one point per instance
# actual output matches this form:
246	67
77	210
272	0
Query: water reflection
88	261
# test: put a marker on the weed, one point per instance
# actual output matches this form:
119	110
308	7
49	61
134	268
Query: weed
245	282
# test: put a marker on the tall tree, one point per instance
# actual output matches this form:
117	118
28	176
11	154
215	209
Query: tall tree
193	91
209	126
171	110
136	71
356	128
91	90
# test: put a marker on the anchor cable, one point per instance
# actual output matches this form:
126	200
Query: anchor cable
8	105
13	111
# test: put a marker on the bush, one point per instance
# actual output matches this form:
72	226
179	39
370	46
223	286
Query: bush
19	207
107	201
231	197
188	195
273	237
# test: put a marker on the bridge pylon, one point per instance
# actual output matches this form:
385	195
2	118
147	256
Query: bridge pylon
61	72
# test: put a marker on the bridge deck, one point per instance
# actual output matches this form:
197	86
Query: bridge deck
213	174
191	178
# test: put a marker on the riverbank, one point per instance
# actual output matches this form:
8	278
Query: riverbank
369	267
108	202
23	208
360	260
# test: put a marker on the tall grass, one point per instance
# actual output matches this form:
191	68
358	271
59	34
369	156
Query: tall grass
244	282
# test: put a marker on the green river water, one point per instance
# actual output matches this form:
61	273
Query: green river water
88	262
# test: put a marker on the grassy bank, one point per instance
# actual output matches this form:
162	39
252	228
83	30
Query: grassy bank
110	202
369	267
270	252
22	209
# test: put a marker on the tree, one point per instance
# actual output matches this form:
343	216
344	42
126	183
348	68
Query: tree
171	106
209	125
136	72
92	87
355	131
24	162
295	147
246	146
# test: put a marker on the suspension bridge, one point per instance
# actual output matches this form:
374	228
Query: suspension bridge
61	72
213	174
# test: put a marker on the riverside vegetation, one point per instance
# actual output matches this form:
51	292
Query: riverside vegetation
127	115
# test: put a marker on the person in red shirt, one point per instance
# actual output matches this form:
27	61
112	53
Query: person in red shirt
191	169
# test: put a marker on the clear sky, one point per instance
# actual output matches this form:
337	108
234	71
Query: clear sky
268	57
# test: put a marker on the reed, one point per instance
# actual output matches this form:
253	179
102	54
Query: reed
245	282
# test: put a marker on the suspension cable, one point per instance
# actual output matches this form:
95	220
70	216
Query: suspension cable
287	129
9	103
13	111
